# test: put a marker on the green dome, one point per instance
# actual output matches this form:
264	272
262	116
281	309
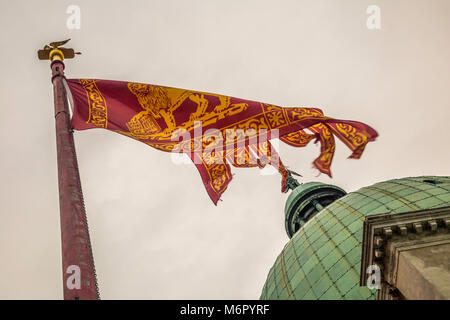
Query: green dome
322	260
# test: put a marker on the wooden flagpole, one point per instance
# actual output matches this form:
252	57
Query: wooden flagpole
79	277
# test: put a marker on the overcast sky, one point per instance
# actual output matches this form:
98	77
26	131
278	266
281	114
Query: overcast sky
155	232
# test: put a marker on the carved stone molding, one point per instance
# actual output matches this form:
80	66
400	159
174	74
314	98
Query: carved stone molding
412	250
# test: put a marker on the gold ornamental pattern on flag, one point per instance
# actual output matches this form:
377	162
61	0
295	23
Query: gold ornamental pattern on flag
233	131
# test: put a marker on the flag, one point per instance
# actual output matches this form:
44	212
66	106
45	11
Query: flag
215	131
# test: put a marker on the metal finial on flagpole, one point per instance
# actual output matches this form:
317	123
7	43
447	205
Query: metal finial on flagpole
54	51
79	276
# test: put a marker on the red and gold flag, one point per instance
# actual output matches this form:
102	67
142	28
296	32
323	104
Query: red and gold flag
214	130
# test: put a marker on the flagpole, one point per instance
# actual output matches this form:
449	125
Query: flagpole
79	277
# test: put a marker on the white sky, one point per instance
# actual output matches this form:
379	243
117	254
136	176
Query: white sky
155	232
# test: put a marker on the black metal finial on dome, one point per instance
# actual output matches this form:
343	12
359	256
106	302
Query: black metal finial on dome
291	182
